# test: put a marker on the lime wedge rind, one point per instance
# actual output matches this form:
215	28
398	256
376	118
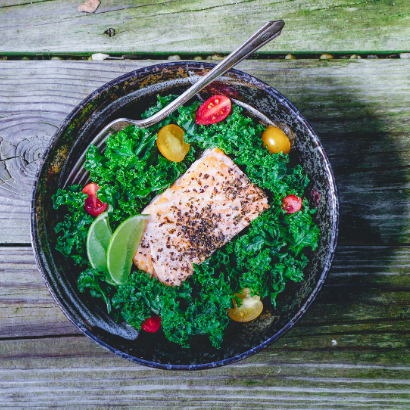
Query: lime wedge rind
122	247
98	239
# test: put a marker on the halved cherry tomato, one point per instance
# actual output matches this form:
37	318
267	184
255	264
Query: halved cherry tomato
214	109
151	324
276	140
171	144
250	309
91	189
92	203
291	204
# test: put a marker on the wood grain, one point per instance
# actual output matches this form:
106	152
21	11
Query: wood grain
55	373
350	350
203	26
72	372
358	108
27	308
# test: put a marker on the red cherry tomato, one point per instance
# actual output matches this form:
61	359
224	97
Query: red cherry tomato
91	189
291	204
92	203
152	324
214	109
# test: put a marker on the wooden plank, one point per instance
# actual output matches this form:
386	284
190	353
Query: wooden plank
56	372
364	306
203	26
72	372
24	299
358	108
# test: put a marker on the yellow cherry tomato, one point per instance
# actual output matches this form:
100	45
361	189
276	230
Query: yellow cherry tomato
250	308
171	144
276	140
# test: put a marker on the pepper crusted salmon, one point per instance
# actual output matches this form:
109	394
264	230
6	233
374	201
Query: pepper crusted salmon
202	211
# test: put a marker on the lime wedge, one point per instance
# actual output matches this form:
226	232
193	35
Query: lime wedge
98	239
123	245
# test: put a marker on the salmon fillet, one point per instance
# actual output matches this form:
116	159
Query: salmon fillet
202	211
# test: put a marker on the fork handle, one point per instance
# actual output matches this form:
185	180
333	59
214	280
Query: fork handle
257	40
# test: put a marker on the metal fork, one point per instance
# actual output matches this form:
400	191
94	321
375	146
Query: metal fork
258	39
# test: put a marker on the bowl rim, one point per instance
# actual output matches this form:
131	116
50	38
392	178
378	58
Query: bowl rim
333	195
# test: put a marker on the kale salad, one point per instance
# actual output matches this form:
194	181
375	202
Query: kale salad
255	264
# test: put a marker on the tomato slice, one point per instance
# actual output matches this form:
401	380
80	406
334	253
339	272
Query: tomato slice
91	189
291	204
92	203
213	110
151	324
250	308
171	144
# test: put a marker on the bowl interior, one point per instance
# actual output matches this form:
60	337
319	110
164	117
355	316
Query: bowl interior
129	96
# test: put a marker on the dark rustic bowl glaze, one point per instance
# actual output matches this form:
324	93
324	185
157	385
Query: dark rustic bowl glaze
129	96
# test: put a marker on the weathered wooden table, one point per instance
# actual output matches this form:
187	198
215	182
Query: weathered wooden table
351	349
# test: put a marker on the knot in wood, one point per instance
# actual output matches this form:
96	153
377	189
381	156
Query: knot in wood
110	32
19	161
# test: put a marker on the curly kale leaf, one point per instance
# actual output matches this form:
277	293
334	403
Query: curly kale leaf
73	230
183	312
133	299
269	253
302	231
162	102
233	135
186	119
95	283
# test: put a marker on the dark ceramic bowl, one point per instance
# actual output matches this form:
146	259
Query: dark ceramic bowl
129	96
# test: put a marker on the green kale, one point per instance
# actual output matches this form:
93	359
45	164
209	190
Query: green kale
184	313
73	230
94	281
136	299
269	253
